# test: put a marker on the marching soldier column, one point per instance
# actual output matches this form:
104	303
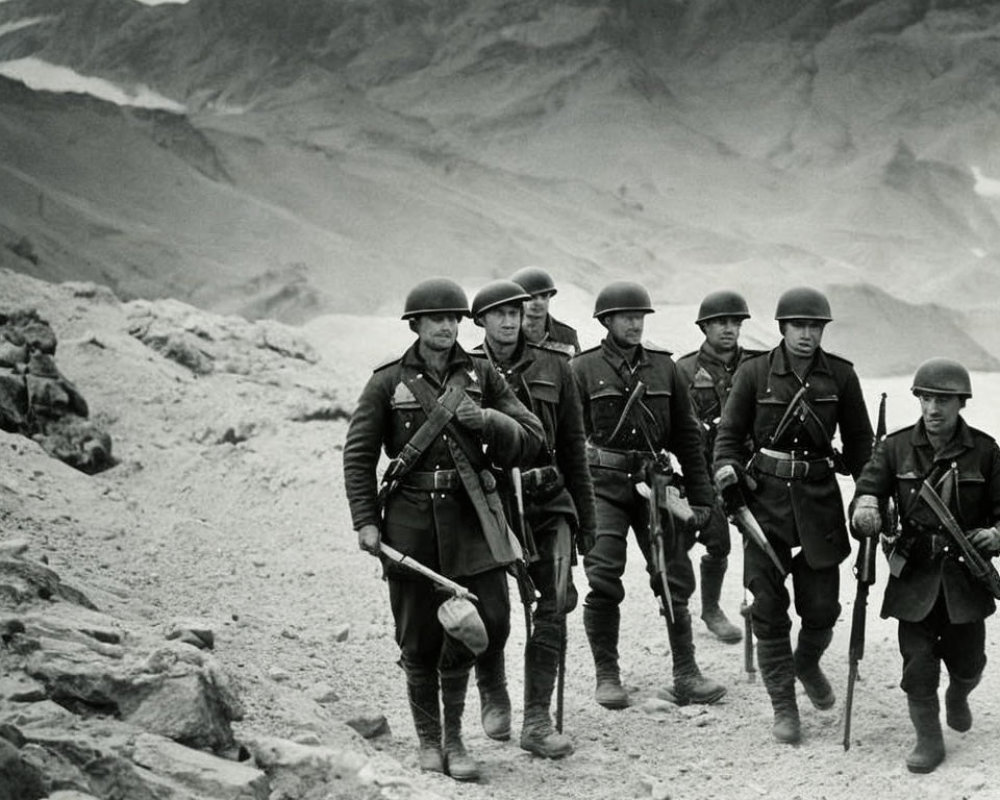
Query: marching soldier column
517	457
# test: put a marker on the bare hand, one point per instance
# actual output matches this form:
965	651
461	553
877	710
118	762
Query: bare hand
469	414
368	539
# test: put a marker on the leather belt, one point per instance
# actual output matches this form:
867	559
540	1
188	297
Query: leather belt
440	480
621	460
787	466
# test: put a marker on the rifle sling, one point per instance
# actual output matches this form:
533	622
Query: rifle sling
474	472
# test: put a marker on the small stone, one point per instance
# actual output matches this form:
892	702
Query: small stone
323	693
370	725
341	632
278	674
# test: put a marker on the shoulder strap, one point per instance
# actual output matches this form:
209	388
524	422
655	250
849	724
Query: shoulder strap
428	400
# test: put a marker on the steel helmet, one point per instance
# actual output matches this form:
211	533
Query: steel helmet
534	280
497	293
723	303
622	296
436	296
942	376
802	302
459	618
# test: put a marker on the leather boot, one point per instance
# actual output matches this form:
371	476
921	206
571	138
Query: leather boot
777	670
690	686
422	688
601	626
812	645
713	570
538	735
494	700
929	751
956	702
458	763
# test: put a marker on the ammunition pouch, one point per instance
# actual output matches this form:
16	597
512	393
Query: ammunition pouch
917	546
630	461
541	484
787	466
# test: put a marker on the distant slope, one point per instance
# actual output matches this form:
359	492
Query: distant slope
334	152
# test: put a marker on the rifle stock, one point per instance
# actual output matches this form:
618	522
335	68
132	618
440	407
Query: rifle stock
864	572
659	538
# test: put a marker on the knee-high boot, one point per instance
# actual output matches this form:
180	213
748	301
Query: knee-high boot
458	763
601	626
812	644
690	686
494	700
422	689
777	669
956	702
538	735
713	571
925	713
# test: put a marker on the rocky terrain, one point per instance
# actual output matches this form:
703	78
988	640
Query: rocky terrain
225	520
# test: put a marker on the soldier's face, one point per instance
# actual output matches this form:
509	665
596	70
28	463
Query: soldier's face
723	333
940	413
538	306
437	331
803	336
502	324
625	327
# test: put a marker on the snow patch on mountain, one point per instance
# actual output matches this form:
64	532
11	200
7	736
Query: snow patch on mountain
42	76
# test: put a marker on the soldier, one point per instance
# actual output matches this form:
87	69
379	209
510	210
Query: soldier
433	410
709	375
539	326
940	606
559	503
636	408
789	402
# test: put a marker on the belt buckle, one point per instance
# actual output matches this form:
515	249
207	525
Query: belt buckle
799	469
442	480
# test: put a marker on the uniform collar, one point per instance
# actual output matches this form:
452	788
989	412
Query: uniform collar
780	364
960	441
707	356
523	356
616	357
458	359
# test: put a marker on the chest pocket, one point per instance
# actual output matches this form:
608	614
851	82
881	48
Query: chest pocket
545	404
606	404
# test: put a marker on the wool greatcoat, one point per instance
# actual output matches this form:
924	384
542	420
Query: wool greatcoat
441	529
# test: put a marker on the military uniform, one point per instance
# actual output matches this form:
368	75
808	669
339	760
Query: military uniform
940	606
606	381
710	379
798	503
559	503
432	516
559	333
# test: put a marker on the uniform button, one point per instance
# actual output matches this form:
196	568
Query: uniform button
633	430
406	424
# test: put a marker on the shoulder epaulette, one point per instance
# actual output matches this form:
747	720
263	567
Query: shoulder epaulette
655	348
389	361
898	431
692	354
982	434
841	359
589	350
549	346
749	354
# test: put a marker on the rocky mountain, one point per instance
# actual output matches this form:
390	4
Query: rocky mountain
329	153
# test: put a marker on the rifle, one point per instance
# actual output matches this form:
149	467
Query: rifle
982	568
864	571
662	537
748	666
736	507
445	583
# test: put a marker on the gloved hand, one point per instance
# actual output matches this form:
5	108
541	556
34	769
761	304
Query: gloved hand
369	538
470	415
985	540
865	517
701	517
584	541
728	474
